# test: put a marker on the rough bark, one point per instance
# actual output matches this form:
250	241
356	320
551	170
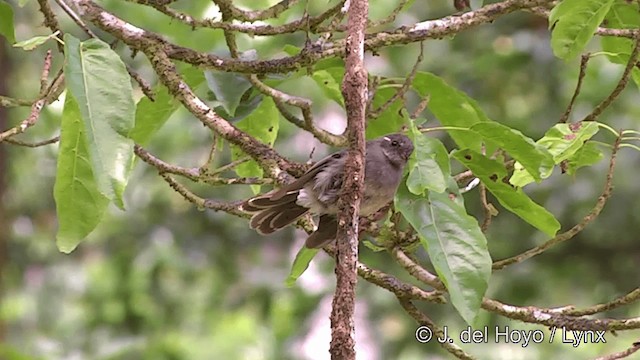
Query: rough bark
354	90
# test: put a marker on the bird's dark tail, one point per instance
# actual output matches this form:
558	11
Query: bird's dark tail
326	232
270	215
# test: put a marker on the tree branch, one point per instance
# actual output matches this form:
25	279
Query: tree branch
354	90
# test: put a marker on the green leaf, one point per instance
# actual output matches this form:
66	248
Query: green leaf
98	80
79	203
263	124
152	115
574	22
562	141
22	3
300	264
390	120
291	50
329	81
34	42
494	175
456	246
228	88
428	165
588	155
6	22
530	155
452	107
623	15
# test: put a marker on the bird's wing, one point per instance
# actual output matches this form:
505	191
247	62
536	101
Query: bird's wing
309	175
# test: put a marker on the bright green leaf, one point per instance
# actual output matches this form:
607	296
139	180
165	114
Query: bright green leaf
456	246
98	80
300	264
588	155
531	156
329	81
562	141
79	203
152	115
623	15
6	22
574	22
428	165
452	107
228	88
34	42
263	124
494	175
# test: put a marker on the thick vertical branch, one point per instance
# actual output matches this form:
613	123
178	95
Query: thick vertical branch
354	89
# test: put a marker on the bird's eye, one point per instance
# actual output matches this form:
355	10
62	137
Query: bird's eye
395	143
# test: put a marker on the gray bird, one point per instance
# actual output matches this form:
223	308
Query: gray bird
317	191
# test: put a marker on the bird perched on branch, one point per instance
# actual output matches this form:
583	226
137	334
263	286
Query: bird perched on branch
318	189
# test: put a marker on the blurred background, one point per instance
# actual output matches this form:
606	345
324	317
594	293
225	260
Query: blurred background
164	280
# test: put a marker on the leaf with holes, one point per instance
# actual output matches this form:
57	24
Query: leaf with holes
329	81
494	176
562	141
533	157
263	124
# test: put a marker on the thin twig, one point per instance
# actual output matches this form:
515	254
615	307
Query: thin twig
37	106
622	354
583	71
626	299
436	332
399	94
624	79
592	215
13	141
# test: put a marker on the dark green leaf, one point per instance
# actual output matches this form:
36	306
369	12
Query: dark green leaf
574	22
152	115
530	155
452	107
98	80
79	203
6	22
300	264
456	246
494	176
228	88
263	124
